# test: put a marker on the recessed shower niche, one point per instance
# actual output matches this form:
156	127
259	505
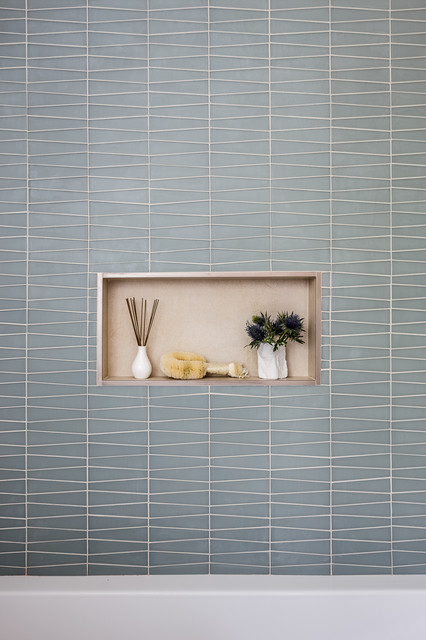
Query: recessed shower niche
206	313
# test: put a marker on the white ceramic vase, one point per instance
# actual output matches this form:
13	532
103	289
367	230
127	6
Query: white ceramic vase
271	365
267	362
281	358
141	367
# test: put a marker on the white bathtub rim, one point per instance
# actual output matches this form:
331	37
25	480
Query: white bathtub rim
216	585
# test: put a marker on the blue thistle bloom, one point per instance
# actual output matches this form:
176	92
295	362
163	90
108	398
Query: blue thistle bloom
277	326
293	322
256	332
287	327
260	320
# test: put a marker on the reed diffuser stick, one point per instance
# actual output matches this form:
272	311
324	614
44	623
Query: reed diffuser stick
151	320
141	328
144	322
132	318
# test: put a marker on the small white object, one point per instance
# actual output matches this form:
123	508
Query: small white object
266	362
141	367
281	358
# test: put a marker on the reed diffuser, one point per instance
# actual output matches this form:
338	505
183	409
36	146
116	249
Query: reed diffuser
141	367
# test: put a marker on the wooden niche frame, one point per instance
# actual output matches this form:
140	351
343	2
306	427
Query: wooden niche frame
206	312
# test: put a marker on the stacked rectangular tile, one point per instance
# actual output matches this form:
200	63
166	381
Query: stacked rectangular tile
300	481
119	221
118	122
179	241
409	285
118	483
240	480
239	160
13	219
300	155
360	287
239	135
179	135
179	480
300	152
57	331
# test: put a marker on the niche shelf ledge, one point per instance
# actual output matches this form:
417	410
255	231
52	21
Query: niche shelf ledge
206	312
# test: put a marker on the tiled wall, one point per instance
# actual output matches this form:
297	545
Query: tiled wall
176	135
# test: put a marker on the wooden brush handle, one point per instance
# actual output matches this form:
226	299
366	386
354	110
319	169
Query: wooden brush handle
233	369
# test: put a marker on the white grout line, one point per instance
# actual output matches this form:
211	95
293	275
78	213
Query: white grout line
26	285
210	487
270	557
148	397
270	133
331	277
209	139
88	286
148	134
148	491
391	295
210	268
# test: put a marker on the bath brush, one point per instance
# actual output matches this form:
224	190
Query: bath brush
182	365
